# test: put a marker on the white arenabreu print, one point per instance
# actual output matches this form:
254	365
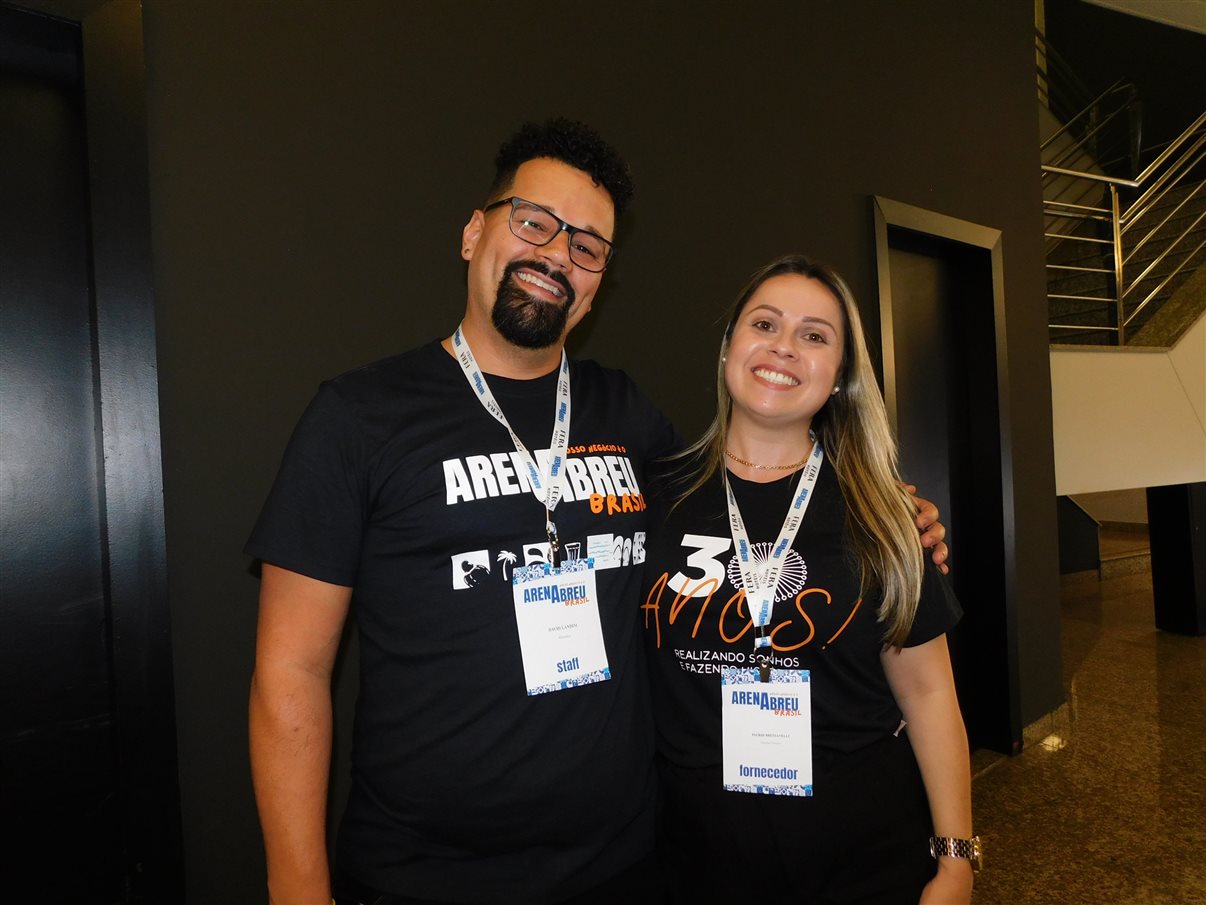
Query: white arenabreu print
706	558
474	568
703	559
503	474
792	578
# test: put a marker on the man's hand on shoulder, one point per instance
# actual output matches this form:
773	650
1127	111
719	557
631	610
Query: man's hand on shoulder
933	532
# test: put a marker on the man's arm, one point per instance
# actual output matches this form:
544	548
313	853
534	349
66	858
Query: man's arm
924	687
300	624
933	532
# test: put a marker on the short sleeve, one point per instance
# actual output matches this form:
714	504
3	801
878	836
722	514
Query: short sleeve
313	520
938	610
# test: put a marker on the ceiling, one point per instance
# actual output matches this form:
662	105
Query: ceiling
1187	14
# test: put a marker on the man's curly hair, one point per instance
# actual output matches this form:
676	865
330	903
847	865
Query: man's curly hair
571	142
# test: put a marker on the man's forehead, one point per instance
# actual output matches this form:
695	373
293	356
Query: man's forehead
567	191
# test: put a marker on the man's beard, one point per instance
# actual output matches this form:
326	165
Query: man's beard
527	321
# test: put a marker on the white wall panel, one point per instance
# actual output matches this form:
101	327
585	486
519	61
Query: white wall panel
1129	418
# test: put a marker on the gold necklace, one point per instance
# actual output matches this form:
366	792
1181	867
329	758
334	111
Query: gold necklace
769	467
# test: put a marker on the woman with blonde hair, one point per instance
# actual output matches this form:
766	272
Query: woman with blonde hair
809	737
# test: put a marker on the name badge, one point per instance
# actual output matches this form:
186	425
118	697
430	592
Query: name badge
767	731
560	636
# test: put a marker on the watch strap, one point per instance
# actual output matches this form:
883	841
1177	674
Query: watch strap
968	849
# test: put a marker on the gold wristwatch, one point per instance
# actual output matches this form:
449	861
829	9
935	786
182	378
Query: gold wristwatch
959	848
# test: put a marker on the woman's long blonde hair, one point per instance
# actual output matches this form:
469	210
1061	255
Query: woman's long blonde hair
853	430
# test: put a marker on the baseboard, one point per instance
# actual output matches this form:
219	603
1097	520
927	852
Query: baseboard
1051	731
1135	527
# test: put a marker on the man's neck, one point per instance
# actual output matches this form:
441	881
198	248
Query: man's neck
496	356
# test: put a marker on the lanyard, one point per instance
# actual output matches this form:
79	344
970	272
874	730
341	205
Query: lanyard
761	580
546	487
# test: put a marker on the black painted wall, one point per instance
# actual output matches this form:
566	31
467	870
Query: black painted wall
312	165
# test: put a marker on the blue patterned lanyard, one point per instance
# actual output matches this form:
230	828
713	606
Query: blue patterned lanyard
762	579
545	487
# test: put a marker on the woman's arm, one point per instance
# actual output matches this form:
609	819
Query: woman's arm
924	687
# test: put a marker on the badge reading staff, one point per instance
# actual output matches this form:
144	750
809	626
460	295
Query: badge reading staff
560	635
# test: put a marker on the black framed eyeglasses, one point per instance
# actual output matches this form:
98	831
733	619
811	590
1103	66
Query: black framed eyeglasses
538	226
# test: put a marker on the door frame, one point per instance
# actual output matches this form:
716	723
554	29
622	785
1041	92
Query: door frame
890	214
134	553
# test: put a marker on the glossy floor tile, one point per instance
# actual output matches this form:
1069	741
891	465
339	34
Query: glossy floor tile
1107	803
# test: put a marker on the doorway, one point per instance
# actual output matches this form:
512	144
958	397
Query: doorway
87	730
945	371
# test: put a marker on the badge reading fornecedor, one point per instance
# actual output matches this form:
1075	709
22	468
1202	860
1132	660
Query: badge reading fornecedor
560	635
767	731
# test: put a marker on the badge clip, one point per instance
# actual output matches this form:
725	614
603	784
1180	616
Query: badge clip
762	635
764	669
554	545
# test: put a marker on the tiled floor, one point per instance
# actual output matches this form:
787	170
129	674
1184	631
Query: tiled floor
1124	550
1110	807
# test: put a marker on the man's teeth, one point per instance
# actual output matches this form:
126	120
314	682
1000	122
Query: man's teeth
776	377
536	281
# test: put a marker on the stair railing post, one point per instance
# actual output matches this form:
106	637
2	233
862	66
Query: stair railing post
1119	292
1135	132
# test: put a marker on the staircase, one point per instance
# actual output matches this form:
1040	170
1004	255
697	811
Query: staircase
1124	245
1166	265
1098	549
1161	254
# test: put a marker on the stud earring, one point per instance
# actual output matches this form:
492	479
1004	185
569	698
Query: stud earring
836	390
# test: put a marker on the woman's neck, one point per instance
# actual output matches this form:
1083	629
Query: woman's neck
762	453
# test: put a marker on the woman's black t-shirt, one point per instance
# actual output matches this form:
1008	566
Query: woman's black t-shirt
696	621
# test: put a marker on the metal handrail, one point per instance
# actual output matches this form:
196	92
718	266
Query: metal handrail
1090	128
1101	123
1167	217
1084	327
1155	292
1173	146
1159	188
1081	207
1079	298
1077	267
1142	177
1182	156
1094	177
1047	235
1093	107
1164	254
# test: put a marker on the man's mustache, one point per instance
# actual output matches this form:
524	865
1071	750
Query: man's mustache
553	276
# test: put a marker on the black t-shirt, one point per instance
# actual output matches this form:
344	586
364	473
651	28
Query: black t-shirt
697	622
398	483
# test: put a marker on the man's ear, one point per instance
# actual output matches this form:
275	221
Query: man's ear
471	233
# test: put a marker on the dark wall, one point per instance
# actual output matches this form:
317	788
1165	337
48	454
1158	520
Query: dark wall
312	166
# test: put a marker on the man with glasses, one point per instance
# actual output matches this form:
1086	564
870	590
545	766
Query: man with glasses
502	745
482	499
